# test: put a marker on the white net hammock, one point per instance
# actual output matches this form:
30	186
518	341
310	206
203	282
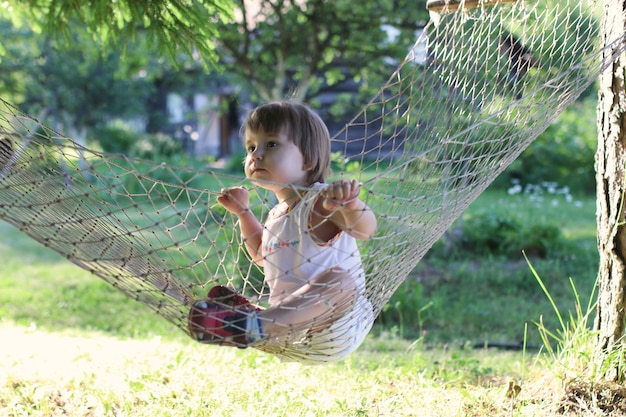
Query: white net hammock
479	86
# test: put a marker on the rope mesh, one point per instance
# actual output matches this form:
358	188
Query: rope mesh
478	87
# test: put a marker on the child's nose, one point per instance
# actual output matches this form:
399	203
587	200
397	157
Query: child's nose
258	153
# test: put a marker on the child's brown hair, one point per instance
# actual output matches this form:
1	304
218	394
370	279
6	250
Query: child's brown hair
302	126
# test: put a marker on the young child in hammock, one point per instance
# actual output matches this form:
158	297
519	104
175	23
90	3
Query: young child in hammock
307	246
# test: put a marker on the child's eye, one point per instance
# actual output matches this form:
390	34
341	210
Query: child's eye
271	144
250	148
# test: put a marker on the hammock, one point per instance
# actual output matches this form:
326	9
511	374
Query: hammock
479	85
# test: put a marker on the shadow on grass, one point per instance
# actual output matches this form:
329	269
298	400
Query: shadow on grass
38	287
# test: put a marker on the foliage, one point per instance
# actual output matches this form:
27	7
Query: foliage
493	234
74	84
564	153
173	25
457	294
72	87
155	147
113	139
570	346
505	229
302	49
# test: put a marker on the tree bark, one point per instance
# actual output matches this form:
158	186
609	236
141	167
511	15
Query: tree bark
610	170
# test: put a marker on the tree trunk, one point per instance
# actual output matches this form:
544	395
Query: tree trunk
610	170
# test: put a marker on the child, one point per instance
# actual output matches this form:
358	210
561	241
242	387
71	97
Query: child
307	245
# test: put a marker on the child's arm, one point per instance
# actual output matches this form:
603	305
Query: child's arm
236	200
347	211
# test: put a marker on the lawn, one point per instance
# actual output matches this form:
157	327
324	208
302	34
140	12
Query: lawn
460	297
94	374
72	345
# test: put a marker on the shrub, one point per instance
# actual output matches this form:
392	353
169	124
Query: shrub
155	146
564	153
115	139
121	140
506	235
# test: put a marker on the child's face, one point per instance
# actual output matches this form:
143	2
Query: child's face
273	157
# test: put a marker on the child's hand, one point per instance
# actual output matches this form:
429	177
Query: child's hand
341	193
235	199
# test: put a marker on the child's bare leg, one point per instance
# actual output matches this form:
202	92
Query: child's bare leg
314	306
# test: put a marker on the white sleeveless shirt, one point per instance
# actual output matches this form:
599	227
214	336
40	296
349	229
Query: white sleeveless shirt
292	257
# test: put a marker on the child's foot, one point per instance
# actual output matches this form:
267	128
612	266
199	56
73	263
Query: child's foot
218	324
225	296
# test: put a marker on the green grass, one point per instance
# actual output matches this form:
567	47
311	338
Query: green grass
39	287
98	375
73	345
461	298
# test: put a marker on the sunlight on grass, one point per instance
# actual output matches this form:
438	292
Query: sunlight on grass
92	374
574	215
